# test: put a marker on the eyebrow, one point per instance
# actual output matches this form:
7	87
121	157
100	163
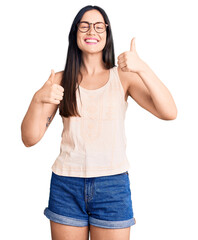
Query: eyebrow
95	22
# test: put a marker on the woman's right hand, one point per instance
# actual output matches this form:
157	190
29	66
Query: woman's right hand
50	91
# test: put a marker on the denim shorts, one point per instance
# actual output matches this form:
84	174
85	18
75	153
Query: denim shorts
100	201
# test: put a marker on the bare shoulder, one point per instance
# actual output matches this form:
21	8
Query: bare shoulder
129	79
138	91
58	77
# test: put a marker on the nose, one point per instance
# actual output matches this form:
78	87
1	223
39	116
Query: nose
91	29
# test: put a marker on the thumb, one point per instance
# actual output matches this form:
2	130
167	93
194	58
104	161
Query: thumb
52	76
132	48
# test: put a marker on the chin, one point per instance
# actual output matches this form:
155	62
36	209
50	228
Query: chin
91	50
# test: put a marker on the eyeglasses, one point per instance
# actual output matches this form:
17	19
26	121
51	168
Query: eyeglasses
99	27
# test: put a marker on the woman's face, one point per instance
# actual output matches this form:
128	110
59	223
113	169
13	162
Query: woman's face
91	16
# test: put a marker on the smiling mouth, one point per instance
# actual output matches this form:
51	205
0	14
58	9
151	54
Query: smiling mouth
91	41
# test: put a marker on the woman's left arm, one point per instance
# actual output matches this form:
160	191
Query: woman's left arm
162	99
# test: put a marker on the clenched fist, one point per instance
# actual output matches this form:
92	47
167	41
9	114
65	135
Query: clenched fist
50	91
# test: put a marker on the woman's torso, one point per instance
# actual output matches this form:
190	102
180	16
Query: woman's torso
95	143
99	80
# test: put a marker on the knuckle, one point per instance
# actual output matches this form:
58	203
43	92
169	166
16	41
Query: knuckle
54	86
50	100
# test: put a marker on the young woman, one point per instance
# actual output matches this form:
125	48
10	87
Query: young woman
90	185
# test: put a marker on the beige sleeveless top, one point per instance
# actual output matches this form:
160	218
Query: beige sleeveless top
94	144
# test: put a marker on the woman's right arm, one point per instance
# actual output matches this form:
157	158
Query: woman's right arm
42	110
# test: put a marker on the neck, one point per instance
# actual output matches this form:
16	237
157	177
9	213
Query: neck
92	63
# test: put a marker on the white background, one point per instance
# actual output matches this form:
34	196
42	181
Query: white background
162	154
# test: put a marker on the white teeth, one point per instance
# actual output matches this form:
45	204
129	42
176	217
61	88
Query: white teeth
90	40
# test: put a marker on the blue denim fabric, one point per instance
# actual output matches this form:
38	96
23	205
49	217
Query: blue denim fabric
100	201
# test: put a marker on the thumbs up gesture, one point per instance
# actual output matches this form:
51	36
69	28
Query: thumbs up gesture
130	61
51	92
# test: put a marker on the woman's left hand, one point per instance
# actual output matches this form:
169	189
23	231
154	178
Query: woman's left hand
130	61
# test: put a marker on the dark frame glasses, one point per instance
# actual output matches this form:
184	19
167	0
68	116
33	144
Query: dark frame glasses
89	26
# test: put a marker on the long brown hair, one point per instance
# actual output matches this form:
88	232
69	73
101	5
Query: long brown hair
68	105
